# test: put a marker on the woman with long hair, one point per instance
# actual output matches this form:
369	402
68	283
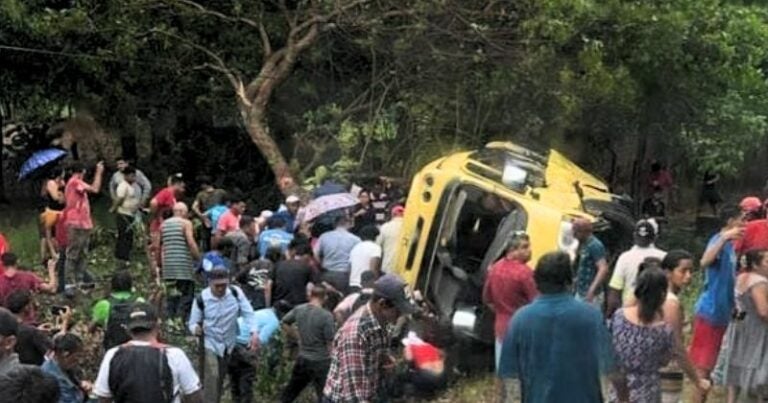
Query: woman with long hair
678	265
644	342
52	204
747	369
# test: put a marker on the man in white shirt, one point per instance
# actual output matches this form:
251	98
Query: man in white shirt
365	256
389	239
125	204
622	284
130	372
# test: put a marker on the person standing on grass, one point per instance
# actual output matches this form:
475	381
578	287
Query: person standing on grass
214	317
389	238
333	249
592	269
622	285
244	242
509	286
746	374
537	330
314	327
145	186
78	220
15	279
360	357
645	342
179	255
230	220
678	265
52	195
365	256
145	370
111	313
160	208
206	198
715	304
125	205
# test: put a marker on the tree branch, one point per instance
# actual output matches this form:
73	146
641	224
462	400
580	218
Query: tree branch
206	11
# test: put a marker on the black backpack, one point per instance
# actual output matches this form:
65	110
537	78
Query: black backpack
119	312
139	374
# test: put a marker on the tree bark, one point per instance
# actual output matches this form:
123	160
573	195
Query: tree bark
3	199
258	130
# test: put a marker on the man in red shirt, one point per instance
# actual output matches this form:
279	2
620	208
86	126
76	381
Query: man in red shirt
14	279
160	208
509	285
230	221
4	247
78	219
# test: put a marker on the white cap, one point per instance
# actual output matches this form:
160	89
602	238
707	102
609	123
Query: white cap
292	199
265	214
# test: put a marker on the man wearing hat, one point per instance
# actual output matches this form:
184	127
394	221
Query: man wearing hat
389	237
622	284
592	268
130	372
360	357
290	212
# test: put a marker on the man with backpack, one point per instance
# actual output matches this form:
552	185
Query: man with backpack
214	319
143	369
111	314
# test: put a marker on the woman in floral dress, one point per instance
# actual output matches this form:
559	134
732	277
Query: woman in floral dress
644	343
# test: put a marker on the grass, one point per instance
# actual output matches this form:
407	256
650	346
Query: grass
19	224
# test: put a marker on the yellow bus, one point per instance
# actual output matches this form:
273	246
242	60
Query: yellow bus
461	209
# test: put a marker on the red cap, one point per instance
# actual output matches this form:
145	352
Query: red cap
750	204
398	211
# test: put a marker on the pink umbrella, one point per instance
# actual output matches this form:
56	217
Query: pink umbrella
324	204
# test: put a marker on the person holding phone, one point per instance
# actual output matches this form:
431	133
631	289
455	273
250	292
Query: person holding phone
15	278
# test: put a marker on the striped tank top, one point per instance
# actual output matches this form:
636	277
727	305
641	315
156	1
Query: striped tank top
177	259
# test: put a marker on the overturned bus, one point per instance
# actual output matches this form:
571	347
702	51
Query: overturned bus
461	209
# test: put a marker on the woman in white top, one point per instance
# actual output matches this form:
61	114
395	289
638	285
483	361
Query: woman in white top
677	264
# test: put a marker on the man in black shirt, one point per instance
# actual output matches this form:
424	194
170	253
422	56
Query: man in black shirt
292	276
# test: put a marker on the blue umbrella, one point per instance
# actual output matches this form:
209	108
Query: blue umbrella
40	159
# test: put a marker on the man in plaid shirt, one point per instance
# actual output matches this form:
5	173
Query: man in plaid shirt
360	353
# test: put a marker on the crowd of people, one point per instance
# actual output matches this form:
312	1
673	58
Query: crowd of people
562	337
234	279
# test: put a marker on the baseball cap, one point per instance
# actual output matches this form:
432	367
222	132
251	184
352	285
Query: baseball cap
392	288
645	229
142	316
292	199
398	211
750	204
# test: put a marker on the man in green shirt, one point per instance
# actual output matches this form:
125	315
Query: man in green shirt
115	307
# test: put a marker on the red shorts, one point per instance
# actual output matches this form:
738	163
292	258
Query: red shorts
705	343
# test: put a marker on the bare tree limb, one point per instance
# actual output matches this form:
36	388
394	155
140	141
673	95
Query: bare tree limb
265	43
206	11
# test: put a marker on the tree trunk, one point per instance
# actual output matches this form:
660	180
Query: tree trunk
258	130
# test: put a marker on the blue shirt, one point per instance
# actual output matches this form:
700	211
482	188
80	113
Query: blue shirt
69	391
288	218
716	301
274	238
333	248
214	213
265	322
220	327
558	348
589	254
